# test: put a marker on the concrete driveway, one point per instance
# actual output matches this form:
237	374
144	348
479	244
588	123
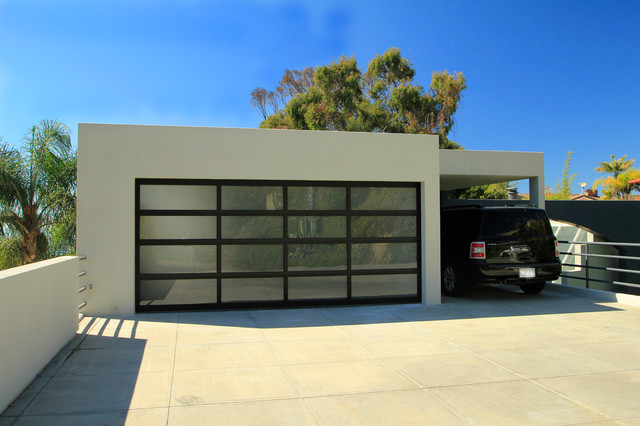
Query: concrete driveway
495	356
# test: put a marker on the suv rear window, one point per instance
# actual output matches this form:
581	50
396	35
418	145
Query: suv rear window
504	223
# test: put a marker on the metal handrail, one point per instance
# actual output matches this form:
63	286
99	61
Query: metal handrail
601	243
604	268
604	256
588	267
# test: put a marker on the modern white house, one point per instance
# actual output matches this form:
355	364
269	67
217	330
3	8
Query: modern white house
179	218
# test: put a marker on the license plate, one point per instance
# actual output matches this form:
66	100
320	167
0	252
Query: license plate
527	272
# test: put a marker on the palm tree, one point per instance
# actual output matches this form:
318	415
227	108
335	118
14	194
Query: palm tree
614	186
615	166
38	190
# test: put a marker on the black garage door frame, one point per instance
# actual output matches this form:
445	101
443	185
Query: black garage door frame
285	241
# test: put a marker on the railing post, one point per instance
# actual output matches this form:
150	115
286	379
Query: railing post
586	263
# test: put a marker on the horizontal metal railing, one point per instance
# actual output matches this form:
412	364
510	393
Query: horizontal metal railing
587	256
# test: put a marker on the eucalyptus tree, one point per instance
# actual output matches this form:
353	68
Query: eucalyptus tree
38	193
385	98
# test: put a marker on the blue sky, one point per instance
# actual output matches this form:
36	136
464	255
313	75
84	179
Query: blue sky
550	76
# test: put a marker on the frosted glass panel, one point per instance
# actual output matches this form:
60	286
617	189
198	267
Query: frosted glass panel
177	227
177	197
252	227
317	198
252	289
375	198
384	285
307	257
178	292
317	288
252	258
317	227
252	198
384	256
177	259
383	226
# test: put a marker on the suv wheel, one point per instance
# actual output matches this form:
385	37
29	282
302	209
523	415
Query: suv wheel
533	288
451	283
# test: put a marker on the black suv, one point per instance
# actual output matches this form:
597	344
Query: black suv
503	245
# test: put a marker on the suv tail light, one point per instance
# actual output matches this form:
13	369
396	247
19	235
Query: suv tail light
557	249
477	250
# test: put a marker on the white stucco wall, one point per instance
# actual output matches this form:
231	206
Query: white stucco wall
110	157
38	316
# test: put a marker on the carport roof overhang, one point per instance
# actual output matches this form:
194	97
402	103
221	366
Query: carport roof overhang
462	169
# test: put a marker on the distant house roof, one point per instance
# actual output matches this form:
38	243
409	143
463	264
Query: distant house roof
588	195
634	181
584	197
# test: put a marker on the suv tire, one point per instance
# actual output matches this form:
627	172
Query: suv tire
532	288
451	283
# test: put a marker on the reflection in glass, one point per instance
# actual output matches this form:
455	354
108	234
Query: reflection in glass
178	292
379	198
384	256
384	285
252	198
317	227
177	197
528	222
383	226
305	257
252	227
317	198
177	259
177	227
252	289
317	288
252	258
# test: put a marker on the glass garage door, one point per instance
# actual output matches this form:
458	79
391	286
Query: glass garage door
212	244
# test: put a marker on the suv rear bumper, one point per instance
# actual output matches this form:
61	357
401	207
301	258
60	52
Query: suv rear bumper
510	272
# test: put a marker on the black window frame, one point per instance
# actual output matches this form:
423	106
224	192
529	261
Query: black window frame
285	274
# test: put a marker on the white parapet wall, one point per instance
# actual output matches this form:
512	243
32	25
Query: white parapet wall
38	316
